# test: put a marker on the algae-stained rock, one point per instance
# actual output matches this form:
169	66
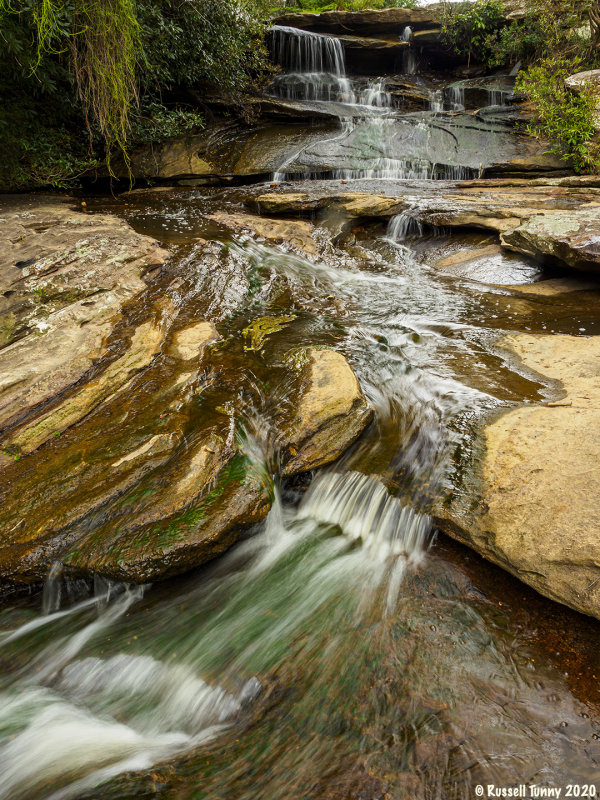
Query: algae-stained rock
538	479
295	233
573	238
210	497
66	278
331	412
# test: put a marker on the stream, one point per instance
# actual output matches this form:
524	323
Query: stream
343	648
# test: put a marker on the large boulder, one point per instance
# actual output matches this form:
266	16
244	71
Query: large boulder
572	238
534	508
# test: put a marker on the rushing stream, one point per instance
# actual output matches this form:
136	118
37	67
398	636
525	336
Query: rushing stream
343	649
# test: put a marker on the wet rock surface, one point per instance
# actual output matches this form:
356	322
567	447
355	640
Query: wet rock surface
536	508
555	220
362	23
135	479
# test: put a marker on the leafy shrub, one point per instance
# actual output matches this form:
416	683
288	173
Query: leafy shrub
549	28
318	6
470	29
157	122
563	117
74	75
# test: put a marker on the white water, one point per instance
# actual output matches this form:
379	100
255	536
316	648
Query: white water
402	227
77	716
296	50
456	98
410	63
314	65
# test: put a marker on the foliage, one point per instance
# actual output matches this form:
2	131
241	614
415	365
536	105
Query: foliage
102	38
157	122
217	41
318	6
468	28
562	116
124	70
549	28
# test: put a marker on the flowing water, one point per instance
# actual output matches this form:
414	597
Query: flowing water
375	140
343	649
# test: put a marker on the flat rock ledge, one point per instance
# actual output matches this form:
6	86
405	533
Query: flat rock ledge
555	220
538	481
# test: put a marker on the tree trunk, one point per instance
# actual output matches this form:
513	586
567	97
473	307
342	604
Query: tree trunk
595	23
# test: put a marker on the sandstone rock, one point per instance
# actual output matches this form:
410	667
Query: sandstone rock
145	344
554	287
555	220
276	231
572	238
538	483
66	277
331	413
584	80
202	504
353	204
362	23
188	343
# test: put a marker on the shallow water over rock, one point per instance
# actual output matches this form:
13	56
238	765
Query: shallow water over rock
341	649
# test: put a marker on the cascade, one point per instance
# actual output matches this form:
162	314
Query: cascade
456	97
296	50
498	97
315	71
402	227
314	66
409	62
406	34
436	101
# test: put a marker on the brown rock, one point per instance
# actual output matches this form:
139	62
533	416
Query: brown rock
362	23
539	484
276	231
331	413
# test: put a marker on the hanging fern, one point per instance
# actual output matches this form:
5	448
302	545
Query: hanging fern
102	40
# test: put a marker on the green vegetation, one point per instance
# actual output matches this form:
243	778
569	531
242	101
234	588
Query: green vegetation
469	29
81	81
564	118
554	39
318	6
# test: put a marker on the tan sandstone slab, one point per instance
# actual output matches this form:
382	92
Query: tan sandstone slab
296	233
540	478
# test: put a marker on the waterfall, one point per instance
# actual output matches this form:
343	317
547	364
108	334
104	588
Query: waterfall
296	50
390	532
406	34
409	62
314	65
402	227
315	71
456	97
375	95
436	100
498	97
51	595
